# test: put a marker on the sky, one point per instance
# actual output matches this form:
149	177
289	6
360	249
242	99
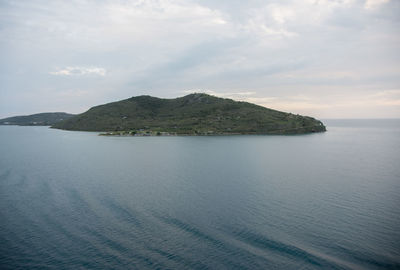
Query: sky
322	58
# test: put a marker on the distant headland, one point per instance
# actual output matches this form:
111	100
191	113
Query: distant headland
39	119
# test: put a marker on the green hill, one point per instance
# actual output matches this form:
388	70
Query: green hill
40	119
192	114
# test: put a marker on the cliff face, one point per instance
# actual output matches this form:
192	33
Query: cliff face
191	114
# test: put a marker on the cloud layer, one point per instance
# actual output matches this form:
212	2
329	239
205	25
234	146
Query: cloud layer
326	58
79	71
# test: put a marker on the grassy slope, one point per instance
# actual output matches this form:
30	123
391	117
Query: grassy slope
40	119
191	114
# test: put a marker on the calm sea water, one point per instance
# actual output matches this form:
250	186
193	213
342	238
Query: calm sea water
76	200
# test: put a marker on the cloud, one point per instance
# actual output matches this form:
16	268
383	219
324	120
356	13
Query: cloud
307	56
372	4
386	97
232	95
80	71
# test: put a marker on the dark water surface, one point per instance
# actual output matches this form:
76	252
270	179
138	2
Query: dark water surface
75	200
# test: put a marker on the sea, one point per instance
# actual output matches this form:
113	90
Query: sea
77	200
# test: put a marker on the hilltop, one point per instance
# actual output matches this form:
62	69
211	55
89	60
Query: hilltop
194	114
39	119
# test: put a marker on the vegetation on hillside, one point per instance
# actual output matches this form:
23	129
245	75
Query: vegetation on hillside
194	114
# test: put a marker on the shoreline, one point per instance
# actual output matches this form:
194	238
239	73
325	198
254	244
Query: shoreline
275	133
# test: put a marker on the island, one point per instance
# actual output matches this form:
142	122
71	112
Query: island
193	114
39	119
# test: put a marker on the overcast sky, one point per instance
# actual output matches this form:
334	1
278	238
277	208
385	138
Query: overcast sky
323	58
